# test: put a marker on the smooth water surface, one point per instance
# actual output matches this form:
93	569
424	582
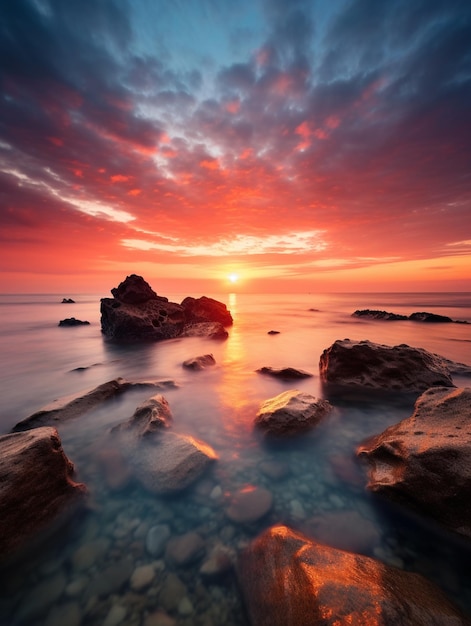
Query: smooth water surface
321	493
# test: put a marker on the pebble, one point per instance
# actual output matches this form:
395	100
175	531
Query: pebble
43	595
89	553
185	549
172	592
276	470
297	510
218	563
115	616
64	614
185	607
216	493
142	577
156	539
76	586
249	505
159	618
111	579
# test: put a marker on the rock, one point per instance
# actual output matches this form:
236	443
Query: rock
273	332
68	613
211	330
378	315
200	362
115	468
172	592
287	580
185	607
142	577
185	549
206	310
115	615
291	412
159	618
137	313
250	504
68	301
77	404
156	539
168	462
373	366
40	598
276	470
149	417
424	462
285	373
71	321
112	578
36	488
219	562
345	530
430	317
89	554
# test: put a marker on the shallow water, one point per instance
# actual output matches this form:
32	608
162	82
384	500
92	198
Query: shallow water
323	482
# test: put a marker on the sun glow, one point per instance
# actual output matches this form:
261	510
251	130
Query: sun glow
233	278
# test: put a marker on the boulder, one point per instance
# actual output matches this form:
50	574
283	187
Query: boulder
167	462
150	416
68	301
36	487
206	309
285	373
378	315
423	316
72	321
287	580
136	313
424	462
211	330
77	404
290	413
367	365
199	362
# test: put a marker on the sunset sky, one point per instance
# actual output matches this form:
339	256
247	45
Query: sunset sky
319	145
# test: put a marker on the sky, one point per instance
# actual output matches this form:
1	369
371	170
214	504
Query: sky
255	146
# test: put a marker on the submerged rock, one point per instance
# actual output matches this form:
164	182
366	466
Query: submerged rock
211	330
291	412
285	373
136	313
422	316
378	315
150	416
367	365
250	504
77	404
288	580
36	487
199	362
424	462
72	321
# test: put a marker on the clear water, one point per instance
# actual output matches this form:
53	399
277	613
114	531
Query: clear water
324	484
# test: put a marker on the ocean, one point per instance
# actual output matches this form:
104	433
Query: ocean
323	484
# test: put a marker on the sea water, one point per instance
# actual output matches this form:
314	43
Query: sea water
323	483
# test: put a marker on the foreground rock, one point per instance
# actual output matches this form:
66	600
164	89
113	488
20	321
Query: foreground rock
36	487
289	580
137	313
285	373
72	321
424	462
421	316
290	413
77	404
367	365
152	415
199	362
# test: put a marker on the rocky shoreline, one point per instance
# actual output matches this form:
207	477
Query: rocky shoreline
421	464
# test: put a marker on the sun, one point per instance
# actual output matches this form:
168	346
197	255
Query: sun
233	278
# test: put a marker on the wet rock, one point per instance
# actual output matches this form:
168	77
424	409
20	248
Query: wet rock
433	318
218	563
378	315
68	613
422	316
68	301
206	310
142	577
89	554
168	462
72	321
185	607
285	373
112	578
249	505
291	412
287	580
157	538
373	366
159	618
211	330
172	592
149	417
36	602
77	404
424	462
37	492
273	332
275	470
200	362
345	530
137	313
115	615
185	549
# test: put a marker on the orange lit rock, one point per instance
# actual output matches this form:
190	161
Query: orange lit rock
289	580
291	412
36	487
424	462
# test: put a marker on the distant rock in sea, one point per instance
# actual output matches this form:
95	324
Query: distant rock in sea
414	317
285	373
71	321
68	301
136	313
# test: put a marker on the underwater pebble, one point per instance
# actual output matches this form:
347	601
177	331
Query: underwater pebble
43	595
89	553
76	586
172	592
297	509
142	577
159	618
216	493
184	549
249	505
64	614
156	539
115	616
185	607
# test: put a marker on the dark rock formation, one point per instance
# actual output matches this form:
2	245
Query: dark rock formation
289	580
137	313
200	362
378	315
36	487
290	413
150	416
367	365
424	462
414	317
78	404
206	310
68	301
285	373
71	321
273	332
